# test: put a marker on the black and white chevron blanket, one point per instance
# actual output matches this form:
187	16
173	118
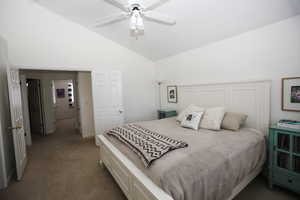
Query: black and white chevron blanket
148	145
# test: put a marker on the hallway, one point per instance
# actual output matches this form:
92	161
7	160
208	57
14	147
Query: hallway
63	166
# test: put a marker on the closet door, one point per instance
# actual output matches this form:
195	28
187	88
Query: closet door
108	100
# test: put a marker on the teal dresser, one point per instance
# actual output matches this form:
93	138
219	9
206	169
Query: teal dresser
284	158
166	113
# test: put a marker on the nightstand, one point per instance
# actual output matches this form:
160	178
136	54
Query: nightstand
284	158
166	113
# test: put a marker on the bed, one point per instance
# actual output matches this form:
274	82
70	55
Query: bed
215	165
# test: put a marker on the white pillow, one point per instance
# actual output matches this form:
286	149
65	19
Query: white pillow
191	108
192	120
213	118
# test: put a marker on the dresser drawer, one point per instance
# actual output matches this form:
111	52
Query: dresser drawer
285	179
166	114
171	114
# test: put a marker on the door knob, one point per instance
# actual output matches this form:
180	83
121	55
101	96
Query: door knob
120	111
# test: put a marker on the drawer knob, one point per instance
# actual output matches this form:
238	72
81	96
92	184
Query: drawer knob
290	180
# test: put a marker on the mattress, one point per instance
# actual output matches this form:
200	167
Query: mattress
213	164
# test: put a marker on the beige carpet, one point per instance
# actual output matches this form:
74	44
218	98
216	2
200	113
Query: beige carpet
63	166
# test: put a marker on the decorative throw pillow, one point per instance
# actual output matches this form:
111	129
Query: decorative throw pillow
213	118
191	108
192	120
233	121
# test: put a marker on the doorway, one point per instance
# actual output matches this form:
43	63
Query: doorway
65	101
63	96
35	107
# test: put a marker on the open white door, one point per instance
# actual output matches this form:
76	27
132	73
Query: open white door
108	100
17	120
25	110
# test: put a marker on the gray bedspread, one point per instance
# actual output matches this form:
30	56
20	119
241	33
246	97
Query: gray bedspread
209	168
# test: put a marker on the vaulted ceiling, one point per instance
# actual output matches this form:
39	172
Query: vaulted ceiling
199	22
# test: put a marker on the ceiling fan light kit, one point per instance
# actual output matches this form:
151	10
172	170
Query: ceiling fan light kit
136	24
137	11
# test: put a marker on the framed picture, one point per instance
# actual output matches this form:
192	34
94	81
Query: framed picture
291	94
60	93
172	94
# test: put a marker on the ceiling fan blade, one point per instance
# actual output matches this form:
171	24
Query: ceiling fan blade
160	18
152	4
122	4
112	19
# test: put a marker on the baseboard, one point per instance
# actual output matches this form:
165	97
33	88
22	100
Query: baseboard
50	131
89	137
10	175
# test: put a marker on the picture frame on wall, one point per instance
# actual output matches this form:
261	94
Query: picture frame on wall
291	94
172	94
60	93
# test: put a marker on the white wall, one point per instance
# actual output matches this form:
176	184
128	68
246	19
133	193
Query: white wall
62	108
6	144
268	53
48	106
86	104
38	39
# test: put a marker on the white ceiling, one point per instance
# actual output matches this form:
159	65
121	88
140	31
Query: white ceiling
199	22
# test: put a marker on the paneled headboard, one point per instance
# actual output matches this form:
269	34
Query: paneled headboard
251	98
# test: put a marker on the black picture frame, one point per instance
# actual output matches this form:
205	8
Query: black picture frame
172	94
60	93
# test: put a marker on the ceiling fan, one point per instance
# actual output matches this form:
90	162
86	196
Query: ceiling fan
137	11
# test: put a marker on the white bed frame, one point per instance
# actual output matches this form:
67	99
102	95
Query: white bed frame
251	98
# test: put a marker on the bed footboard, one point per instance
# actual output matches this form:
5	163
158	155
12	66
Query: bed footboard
133	182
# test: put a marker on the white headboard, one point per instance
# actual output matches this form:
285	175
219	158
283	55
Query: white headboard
251	98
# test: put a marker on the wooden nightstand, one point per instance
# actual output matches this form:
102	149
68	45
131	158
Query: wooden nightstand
284	158
166	113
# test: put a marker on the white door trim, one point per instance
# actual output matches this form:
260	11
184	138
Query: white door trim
26	118
3	128
3	172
